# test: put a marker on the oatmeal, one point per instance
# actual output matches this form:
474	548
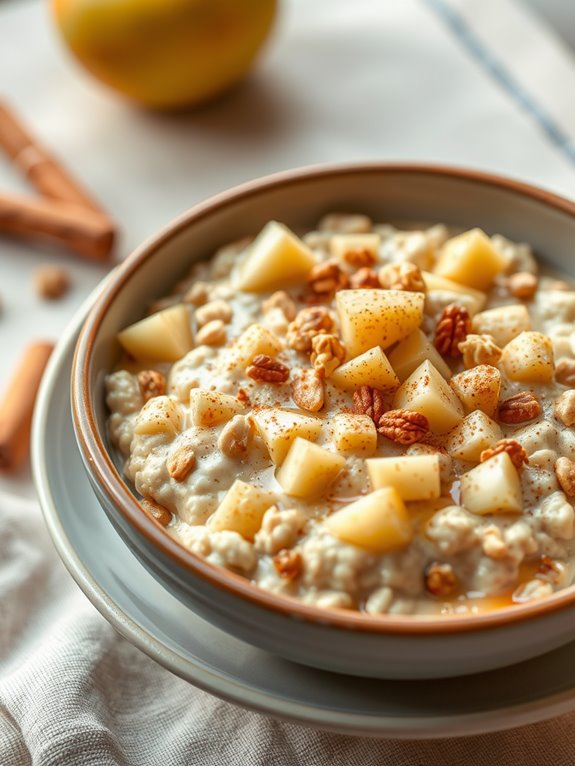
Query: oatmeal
366	417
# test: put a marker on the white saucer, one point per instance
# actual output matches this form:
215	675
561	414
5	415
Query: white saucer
149	617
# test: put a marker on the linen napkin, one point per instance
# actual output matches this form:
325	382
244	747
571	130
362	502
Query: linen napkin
435	80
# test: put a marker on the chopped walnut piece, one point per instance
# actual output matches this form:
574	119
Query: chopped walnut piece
217	309
265	369
369	401
549	570
359	257
327	353
402	276
327	278
181	461
212	334
565	372
308	323
440	579
515	451
565	408
452	328
51	282
288	564
479	349
308	391
152	383
565	473
236	437
522	285
243	397
519	408
364	279
156	511
281	300
403	426
198	294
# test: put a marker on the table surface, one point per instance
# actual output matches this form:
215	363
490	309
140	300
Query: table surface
446	81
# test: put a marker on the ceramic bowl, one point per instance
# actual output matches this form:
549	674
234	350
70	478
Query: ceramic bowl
349	642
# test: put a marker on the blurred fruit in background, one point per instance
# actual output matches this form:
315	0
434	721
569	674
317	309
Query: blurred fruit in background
166	53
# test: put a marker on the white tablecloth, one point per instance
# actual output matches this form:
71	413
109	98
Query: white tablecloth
481	83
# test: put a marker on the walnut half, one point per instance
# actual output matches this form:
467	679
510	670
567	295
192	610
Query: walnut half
403	426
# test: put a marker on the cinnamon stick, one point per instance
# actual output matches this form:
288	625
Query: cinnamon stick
17	405
82	231
38	165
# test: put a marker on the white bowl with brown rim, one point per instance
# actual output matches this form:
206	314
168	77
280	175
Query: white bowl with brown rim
384	646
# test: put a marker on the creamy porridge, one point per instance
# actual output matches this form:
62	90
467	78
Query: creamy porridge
365	417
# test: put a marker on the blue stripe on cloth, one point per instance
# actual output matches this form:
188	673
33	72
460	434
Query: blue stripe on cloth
464	32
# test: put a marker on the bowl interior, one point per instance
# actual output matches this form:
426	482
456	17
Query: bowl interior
386	193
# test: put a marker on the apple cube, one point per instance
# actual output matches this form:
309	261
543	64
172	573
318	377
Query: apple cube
257	339
378	522
415	477
161	414
166	335
492	487
478	388
503	323
374	317
528	358
279	429
354	434
474	299
470	259
210	408
242	509
342	244
308	470
412	351
372	368
276	258
426	391
475	433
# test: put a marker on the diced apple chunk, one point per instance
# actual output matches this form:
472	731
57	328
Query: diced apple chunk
503	323
415	477
412	351
209	408
308	470
426	391
257	339
242	509
374	317
166	335
372	368
492	487
475	433
276	258
378	523
528	358
342	244
161	414
470	259
478	388
474	299
279	428
354	434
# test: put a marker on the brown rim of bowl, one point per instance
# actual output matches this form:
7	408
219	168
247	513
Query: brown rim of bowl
121	497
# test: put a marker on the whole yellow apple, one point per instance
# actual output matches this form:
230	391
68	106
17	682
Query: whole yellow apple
166	53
